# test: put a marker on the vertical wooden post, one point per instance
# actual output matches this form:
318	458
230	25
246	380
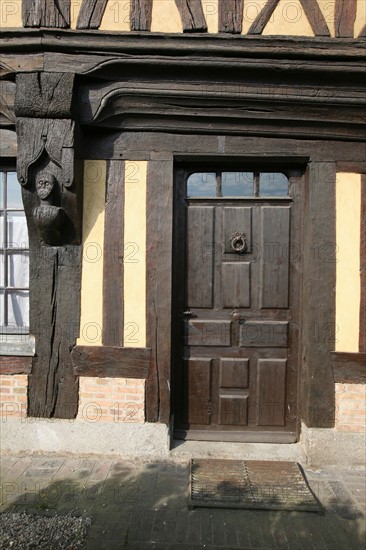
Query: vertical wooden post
52	196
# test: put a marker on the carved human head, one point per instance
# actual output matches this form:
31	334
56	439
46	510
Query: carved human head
45	184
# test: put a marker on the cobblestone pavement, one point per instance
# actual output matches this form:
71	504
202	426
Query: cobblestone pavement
142	505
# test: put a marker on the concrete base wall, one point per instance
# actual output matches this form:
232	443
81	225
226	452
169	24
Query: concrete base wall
83	438
317	447
329	447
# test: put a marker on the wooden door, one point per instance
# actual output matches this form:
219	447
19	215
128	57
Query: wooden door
235	318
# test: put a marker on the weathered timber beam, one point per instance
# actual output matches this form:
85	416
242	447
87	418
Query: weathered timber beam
140	15
315	17
113	256
91	14
111	362
52	196
46	13
192	15
231	16
349	368
344	18
257	27
10	364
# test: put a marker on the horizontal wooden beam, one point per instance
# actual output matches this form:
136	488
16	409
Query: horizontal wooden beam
10	364
111	362
180	45
349	368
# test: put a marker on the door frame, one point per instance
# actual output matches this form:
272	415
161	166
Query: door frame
295	169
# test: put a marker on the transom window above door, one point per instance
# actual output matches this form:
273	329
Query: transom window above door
237	184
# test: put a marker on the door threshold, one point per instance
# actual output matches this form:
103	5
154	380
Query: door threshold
237	436
293	452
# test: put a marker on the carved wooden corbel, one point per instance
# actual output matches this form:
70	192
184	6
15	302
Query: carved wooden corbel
45	129
51	179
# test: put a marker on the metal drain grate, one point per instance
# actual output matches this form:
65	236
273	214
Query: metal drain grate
250	484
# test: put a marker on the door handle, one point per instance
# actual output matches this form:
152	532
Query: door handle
236	316
187	313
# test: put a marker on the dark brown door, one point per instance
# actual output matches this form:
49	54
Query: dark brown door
237	263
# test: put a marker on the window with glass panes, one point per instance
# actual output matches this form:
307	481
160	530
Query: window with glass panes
14	256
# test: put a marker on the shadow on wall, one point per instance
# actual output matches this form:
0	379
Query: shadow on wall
145	505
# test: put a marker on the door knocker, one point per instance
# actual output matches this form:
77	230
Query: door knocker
238	242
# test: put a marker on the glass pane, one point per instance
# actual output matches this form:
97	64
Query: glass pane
2	269
2	231
1	190
17	230
237	184
14	190
18	271
273	184
2	320
18	308
202	184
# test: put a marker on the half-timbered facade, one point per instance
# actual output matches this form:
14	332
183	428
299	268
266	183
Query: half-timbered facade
192	176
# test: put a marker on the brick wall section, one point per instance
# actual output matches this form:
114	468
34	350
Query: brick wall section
350	408
13	395
112	399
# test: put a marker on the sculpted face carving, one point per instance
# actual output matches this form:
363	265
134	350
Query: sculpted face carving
45	184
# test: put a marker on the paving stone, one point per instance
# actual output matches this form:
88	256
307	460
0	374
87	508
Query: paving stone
16	470
145	506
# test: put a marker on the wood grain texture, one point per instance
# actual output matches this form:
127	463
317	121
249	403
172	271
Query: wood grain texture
113	256
111	362
200	231
46	145
362	337
274	261
91	14
158	300
192	15
315	17
319	280
10	364
198	382
349	368
55	275
231	16
271	374
208	333
46	13
44	95
140	15
258	25
7	93
235	284
345	12
268	334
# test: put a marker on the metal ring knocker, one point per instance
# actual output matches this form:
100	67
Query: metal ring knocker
238	242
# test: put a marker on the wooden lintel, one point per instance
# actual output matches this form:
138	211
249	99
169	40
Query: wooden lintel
111	362
10	364
349	368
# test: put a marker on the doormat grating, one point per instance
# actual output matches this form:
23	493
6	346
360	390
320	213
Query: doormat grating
253	484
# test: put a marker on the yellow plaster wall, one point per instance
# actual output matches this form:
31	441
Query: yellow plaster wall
360	16
165	17
116	16
10	13
348	285
135	254
91	321
211	12
288	19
